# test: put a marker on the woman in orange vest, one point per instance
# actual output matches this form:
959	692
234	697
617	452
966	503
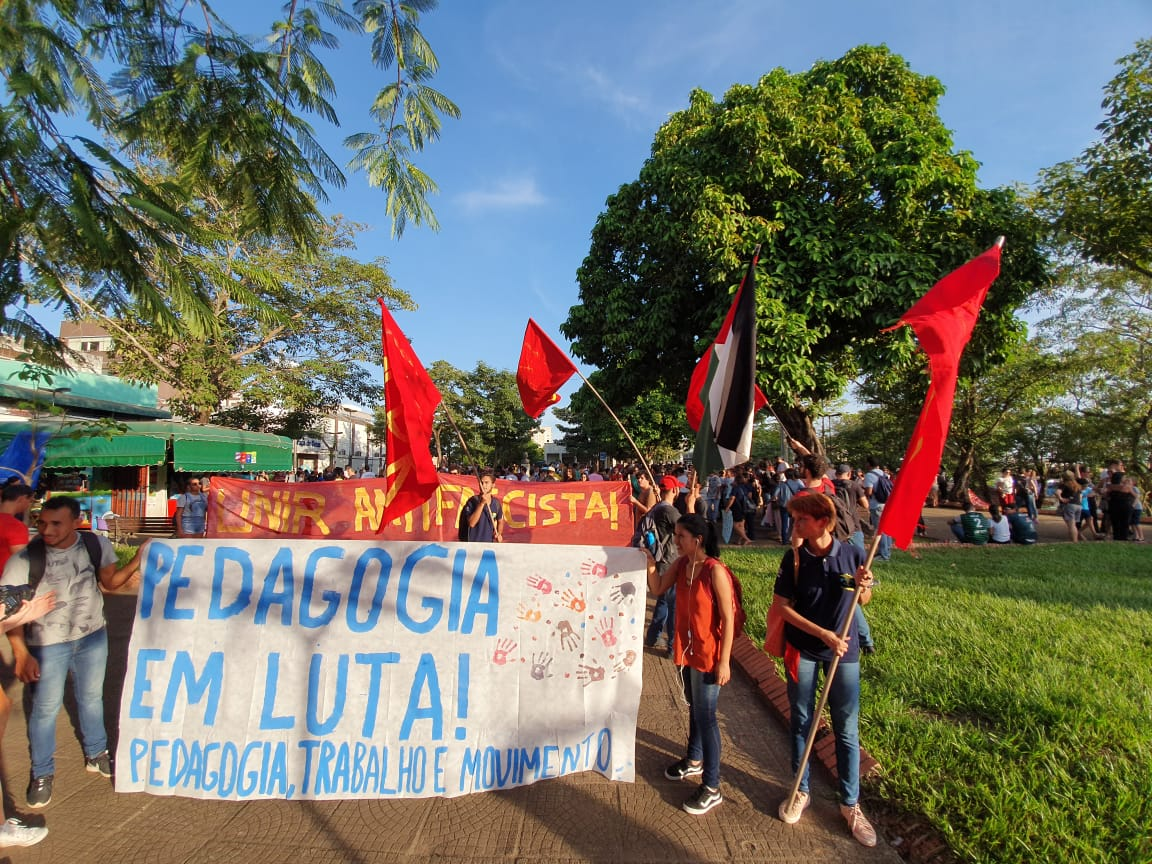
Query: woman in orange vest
702	647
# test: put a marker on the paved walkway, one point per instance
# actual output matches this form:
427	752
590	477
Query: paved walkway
582	818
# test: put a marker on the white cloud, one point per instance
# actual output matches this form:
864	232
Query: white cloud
605	89
512	193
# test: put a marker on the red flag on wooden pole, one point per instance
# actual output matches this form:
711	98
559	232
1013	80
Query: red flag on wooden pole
410	400
543	370
942	320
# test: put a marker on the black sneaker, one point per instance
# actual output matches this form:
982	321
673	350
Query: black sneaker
683	769
40	791
99	764
703	801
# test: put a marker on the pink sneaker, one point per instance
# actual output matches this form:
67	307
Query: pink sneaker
792	814
859	825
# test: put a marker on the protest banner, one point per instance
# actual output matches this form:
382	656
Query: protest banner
298	669
573	514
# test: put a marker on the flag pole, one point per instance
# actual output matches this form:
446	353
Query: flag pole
828	676
468	456
639	455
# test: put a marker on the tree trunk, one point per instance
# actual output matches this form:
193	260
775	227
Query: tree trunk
798	425
962	476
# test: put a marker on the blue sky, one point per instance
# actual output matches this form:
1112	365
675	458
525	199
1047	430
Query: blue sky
560	102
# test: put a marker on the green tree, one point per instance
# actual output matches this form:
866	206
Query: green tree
655	420
1102	329
996	395
174	90
485	406
1099	202
846	176
291	366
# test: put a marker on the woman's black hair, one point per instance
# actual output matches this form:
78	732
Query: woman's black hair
698	526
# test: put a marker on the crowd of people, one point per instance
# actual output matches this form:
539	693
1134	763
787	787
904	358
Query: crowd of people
681	521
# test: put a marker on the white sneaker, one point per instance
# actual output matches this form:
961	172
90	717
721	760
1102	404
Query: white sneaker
15	833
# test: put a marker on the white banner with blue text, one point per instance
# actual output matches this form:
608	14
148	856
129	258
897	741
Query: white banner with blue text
302	669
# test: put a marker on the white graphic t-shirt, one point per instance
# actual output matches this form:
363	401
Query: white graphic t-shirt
79	603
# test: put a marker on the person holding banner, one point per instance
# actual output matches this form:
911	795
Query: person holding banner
702	646
814	591
484	514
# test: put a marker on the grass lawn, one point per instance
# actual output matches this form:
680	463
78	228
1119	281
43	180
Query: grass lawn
1010	699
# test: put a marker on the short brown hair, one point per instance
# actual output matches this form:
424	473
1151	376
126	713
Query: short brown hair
814	504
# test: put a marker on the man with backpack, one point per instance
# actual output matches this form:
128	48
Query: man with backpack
655	533
851	497
878	486
71	638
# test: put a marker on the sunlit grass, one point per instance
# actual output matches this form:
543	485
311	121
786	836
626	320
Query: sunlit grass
1010	701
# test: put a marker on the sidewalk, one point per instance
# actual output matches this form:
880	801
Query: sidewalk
581	818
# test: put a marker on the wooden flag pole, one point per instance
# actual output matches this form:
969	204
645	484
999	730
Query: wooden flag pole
639	455
828	676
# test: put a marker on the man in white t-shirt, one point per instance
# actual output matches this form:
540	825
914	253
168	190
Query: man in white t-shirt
70	638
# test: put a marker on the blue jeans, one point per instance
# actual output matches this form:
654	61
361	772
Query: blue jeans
85	658
844	704
1030	506
785	525
702	693
663	618
884	550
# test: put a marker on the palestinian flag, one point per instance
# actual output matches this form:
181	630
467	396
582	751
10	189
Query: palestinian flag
723	396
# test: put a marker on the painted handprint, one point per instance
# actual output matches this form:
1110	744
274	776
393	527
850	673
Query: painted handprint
568	638
624	589
595	569
504	647
540	665
527	613
573	601
626	661
606	633
540	584
590	674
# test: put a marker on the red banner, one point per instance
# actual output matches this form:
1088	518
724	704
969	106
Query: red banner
576	514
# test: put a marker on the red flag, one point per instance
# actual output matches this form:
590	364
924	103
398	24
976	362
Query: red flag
542	371
942	320
722	396
410	400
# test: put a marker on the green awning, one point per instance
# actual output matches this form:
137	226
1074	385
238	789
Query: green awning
104	452
248	451
195	448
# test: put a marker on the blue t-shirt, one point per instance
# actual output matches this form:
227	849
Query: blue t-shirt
194	518
823	595
482	531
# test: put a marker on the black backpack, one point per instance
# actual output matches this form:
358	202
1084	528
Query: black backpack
662	547
462	525
841	531
38	555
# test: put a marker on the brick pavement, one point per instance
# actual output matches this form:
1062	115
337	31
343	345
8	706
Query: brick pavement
582	818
